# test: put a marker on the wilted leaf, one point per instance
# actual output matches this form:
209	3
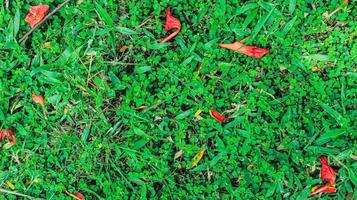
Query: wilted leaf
11	186
178	154
197	158
37	13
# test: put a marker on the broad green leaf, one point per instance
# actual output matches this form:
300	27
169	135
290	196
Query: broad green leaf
141	133
317	57
139	144
321	150
16	22
142	69
116	82
292	5
159	45
85	133
330	135
125	31
246	7
187	61
337	116
288	26
184	114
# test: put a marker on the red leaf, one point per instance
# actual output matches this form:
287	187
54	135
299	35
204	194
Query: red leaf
9	134
171	23
326	188
2	134
37	13
327	173
38	99
79	196
252	51
11	137
217	116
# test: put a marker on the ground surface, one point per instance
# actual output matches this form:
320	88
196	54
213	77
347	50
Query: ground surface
283	111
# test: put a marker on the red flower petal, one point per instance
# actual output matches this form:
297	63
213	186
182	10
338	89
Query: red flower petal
171	23
326	188
79	196
327	173
217	116
37	13
2	134
252	51
11	136
38	99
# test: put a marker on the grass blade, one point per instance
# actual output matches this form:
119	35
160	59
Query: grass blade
260	24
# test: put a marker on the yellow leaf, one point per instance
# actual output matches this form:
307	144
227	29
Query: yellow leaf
197	158
198	112
47	45
314	69
7	145
72	195
11	186
123	49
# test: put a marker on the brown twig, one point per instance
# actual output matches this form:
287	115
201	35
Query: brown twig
43	20
19	194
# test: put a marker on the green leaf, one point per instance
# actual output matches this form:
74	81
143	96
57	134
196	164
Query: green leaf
184	114
337	116
85	133
246	7
288	26
116	82
260	24
103	14
125	31
141	133
271	190
16	22
143	69
317	57
292	5
321	150
158	45
187	61
330	135
139	144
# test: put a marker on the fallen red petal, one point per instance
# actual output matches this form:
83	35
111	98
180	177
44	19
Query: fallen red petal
37	13
11	137
327	173
326	188
79	196
217	116
252	51
171	23
2	134
38	99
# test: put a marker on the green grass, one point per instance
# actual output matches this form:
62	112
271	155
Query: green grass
283	111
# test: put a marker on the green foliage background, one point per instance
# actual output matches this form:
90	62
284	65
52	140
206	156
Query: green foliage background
284	111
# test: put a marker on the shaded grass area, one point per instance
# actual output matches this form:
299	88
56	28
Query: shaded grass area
283	111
